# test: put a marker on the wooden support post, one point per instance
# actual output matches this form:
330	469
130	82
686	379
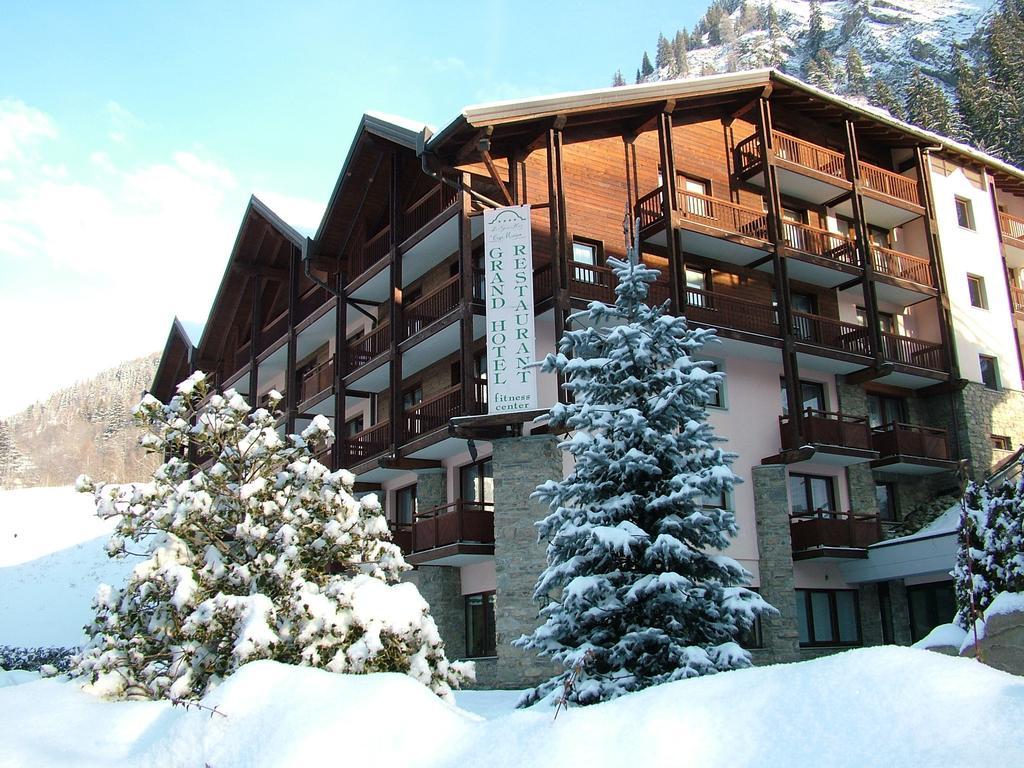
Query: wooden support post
397	316
254	342
935	257
668	204
559	235
466	283
790	367
863	246
292	383
339	452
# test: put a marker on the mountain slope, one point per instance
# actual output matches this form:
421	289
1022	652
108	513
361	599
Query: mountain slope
84	428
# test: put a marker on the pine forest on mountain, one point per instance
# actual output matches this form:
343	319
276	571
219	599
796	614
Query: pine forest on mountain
955	67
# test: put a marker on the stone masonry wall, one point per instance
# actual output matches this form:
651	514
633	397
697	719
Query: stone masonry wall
988	412
520	464
775	548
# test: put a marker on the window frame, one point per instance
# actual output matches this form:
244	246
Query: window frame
1001	442
801	384
722	403
968	213
995	385
982	296
932	609
480	477
579	272
399	492
833	606
490	620
361	419
894	506
810	509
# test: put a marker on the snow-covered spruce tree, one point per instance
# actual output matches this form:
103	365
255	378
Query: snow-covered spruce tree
637	590
990	558
263	555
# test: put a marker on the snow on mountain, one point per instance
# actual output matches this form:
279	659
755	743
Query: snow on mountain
837	711
52	558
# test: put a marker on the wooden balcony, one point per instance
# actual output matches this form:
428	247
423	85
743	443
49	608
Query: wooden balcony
428	207
453	534
833	334
730	313
902	266
889	185
838	438
316	381
368	444
1012	228
914	352
825	248
432	307
369	346
826	534
723	215
1017	296
791	152
911	449
372	252
593	283
435	412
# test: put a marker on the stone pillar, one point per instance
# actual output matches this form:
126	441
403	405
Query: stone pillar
441	586
870	614
775	549
520	464
900	612
860	480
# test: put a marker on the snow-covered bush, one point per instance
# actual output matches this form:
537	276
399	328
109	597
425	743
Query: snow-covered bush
32	659
990	559
251	549
638	592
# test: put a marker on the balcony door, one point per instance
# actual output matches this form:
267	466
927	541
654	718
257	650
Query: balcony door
794	235
812	396
476	482
807	303
698	287
884	409
695	194
812	495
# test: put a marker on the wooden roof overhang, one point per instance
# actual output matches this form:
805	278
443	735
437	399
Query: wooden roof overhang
175	363
262	249
508	124
359	186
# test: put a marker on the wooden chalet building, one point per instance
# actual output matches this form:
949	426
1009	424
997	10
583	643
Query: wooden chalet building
864	277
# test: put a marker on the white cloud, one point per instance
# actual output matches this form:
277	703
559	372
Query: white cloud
121	122
136	243
21	126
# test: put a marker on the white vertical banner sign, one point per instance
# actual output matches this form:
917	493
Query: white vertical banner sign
511	337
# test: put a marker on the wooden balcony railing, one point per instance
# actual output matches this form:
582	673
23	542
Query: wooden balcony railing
834	334
433	413
594	283
432	307
649	208
366	348
543	288
897	439
374	250
910	351
317	380
364	445
826	428
837	530
454	523
401	534
1017	295
820	242
902	265
707	308
422	211
889	184
723	214
1011	226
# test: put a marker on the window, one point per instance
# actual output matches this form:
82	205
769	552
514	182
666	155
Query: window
812	396
964	213
1001	443
721	501
476	482
885	409
989	371
718	399
753	637
886	320
480	636
930	605
412	397
811	494
827	617
976	289
885	612
354	426
697	191
586	255
698	287
885	496
405	504
807	303
794	234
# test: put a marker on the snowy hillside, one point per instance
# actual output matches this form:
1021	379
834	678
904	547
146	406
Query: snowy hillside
52	558
893	707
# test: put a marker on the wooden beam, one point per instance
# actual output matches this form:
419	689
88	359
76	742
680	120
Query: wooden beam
869	374
270	273
489	162
404	463
791	456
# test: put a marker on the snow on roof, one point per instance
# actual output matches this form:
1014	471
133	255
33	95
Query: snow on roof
400	122
944	524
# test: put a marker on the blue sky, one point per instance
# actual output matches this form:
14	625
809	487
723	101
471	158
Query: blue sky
132	134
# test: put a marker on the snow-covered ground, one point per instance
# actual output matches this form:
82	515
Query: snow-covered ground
870	707
51	560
